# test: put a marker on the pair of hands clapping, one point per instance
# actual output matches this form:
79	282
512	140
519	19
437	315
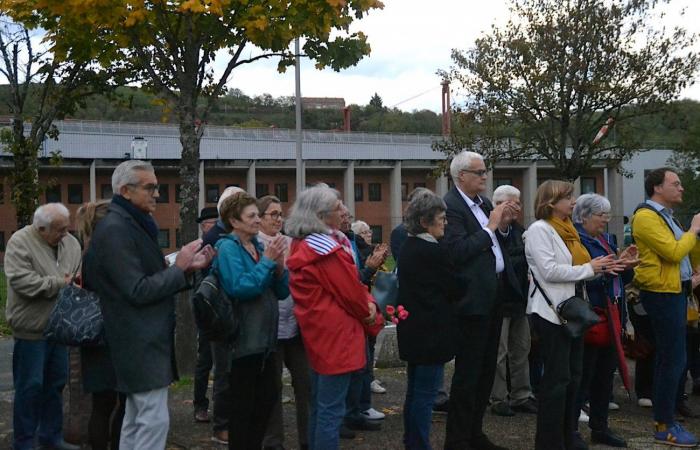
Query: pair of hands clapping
275	251
193	256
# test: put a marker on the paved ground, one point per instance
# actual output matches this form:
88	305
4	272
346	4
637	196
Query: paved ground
633	422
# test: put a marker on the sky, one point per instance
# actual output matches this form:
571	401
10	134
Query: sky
410	40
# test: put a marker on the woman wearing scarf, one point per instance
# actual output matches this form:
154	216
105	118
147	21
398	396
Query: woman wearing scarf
557	261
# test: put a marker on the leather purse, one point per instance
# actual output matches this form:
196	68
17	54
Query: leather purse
76	319
575	314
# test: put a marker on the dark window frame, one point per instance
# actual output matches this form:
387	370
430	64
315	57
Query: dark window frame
209	189
375	196
163	188
262	189
52	191
359	192
166	233
282	191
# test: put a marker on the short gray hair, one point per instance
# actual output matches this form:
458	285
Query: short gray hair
425	205
229	191
310	208
588	205
359	226
463	161
46	214
126	173
504	193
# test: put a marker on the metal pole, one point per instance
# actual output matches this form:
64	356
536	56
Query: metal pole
297	78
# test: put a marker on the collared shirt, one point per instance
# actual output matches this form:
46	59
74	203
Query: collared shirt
483	219
667	213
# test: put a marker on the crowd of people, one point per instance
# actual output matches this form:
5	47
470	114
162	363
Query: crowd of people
474	286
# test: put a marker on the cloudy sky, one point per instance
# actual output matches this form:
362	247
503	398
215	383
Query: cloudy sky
411	40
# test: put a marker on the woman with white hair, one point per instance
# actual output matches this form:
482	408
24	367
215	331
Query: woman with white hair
606	293
333	308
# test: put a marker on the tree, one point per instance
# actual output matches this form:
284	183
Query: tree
54	87
543	85
376	102
171	46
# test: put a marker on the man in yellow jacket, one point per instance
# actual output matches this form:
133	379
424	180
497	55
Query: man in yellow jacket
664	277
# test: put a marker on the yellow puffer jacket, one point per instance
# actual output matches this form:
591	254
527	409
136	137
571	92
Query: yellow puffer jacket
660	253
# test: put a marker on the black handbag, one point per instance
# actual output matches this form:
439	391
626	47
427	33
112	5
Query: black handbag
76	319
385	289
575	314
215	313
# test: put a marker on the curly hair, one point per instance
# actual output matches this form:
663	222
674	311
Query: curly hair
233	207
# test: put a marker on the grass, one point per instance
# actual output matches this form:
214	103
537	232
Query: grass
4	328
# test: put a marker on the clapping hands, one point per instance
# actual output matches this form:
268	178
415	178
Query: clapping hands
194	257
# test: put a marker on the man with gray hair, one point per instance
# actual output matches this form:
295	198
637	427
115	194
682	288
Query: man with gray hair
475	246
40	259
137	294
514	347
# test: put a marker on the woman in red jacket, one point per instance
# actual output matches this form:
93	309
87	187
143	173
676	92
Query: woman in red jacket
333	308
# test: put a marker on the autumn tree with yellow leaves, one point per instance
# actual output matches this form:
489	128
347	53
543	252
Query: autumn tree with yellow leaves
170	46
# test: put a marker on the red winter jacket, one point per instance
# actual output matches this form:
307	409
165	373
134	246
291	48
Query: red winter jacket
330	304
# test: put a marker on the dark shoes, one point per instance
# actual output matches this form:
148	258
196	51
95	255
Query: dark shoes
201	415
608	438
346	433
483	443
364	425
502	409
529	406
63	445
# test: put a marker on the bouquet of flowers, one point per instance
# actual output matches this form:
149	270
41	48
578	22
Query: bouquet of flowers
396	314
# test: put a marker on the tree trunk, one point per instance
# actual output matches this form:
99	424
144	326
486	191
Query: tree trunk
25	175
186	335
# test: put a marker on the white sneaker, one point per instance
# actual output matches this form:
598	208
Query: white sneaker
377	388
645	402
612	406
583	417
373	414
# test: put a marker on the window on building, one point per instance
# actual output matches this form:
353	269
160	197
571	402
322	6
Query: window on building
2	241
404	192
375	192
53	194
75	194
376	233
262	189
502	182
359	192
282	191
106	191
418	185
163	194
178	238
178	193
164	238
588	185
212	193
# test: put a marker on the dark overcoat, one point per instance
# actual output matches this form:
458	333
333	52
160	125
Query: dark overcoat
137	294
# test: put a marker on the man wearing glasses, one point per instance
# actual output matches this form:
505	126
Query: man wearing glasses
137	294
474	244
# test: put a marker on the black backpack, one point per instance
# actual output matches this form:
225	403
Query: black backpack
215	313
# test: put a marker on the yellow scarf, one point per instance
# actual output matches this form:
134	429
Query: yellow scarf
567	232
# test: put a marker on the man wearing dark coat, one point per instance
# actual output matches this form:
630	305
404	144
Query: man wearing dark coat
473	241
137	293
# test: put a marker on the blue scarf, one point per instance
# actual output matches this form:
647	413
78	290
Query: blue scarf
145	220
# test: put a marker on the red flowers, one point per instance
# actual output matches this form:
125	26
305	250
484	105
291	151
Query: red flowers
396	314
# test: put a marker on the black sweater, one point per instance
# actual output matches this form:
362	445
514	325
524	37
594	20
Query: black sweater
428	289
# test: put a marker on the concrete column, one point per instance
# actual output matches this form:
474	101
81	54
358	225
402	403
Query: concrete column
250	179
349	187
527	196
577	187
441	185
614	195
93	181
489	183
395	205
202	187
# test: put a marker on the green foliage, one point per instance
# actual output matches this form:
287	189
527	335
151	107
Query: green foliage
543	85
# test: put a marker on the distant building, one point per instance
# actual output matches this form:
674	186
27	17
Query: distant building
322	103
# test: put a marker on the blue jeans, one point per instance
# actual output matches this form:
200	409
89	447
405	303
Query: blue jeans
328	394
359	395
667	313
39	373
421	390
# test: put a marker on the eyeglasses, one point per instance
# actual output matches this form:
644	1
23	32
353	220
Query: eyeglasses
150	188
478	173
603	215
276	215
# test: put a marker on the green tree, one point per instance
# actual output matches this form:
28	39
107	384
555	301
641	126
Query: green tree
542	85
171	47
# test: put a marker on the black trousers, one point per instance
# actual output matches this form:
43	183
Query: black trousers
254	392
475	368
599	364
563	360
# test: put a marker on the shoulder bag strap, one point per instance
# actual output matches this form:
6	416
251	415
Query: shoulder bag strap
549	302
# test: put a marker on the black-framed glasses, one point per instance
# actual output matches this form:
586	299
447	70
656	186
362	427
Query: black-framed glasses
150	188
275	215
478	173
